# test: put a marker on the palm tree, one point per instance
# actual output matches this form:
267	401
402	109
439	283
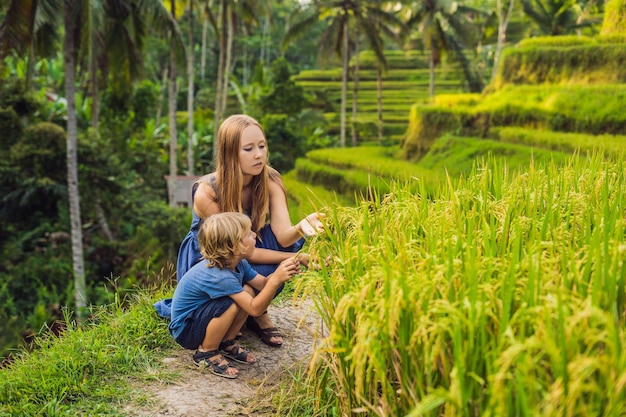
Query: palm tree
378	21
442	25
337	14
335	37
503	23
69	44
172	93
190	78
30	29
20	34
232	12
555	17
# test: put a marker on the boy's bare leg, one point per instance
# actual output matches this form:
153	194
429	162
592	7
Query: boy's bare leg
218	327
264	320
240	318
231	334
216	330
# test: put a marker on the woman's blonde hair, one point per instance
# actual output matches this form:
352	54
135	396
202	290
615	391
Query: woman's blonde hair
221	239
230	176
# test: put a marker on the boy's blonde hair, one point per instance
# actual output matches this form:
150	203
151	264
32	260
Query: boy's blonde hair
221	239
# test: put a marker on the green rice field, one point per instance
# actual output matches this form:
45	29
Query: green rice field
500	295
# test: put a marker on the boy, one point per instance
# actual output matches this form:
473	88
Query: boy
213	299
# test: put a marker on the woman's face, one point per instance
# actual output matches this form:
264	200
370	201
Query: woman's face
253	151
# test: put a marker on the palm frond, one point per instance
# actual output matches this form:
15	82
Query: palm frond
17	29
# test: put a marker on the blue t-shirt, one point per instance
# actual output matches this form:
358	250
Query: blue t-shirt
202	284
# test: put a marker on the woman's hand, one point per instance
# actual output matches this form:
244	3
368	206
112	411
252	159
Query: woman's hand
314	264
311	224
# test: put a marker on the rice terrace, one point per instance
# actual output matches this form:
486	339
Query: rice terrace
468	158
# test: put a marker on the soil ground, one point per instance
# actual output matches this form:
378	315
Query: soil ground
197	392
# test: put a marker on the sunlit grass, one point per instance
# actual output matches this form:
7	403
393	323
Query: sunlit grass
94	368
501	296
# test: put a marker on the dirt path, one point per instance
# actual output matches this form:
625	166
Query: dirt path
200	393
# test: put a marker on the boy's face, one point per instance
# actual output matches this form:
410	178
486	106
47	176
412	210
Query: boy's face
249	240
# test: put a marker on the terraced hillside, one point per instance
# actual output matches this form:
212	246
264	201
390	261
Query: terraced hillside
404	83
554	97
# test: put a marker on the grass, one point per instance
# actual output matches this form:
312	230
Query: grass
562	141
92	368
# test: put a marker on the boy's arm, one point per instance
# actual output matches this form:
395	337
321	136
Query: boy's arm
255	306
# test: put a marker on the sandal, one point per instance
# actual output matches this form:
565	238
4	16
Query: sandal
236	352
214	361
265	335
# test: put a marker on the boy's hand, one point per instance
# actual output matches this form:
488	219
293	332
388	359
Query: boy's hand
285	270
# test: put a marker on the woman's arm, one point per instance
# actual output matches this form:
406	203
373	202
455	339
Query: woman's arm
286	233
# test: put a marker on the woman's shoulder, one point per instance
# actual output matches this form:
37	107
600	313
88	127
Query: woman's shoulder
207	179
207	183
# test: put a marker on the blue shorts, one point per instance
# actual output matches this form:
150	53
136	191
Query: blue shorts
194	330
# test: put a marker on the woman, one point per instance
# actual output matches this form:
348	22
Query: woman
244	182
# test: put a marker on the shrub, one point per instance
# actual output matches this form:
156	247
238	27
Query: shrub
544	61
614	17
10	128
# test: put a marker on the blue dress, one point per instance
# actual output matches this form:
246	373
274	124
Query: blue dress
189	252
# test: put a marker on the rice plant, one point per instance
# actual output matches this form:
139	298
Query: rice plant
502	295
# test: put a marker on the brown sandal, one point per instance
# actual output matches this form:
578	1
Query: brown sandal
265	335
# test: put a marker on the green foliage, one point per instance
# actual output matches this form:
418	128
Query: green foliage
285	140
554	17
283	96
38	185
41	153
614	17
10	127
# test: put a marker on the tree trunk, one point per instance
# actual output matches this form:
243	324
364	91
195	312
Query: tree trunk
94	84
503	22
164	79
220	75
355	90
344	84
172	91
190	156
102	221
80	287
227	61
265	54
205	26
431	66
379	97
